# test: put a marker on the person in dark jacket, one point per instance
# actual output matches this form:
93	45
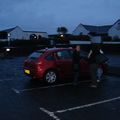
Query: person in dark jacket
76	64
95	50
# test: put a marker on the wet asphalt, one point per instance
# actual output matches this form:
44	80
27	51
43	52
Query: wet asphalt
24	99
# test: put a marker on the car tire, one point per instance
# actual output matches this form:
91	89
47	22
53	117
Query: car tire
50	77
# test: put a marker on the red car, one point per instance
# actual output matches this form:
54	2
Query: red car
53	63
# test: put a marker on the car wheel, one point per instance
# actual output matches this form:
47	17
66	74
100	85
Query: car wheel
99	73
50	77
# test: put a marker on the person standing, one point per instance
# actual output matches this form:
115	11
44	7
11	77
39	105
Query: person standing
76	64
95	50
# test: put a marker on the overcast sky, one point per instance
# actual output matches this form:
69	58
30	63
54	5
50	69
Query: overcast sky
47	15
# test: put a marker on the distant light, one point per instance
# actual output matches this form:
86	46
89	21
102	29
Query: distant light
61	35
8	49
35	36
8	34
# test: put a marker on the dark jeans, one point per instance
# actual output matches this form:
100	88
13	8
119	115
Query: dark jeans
76	70
76	77
93	73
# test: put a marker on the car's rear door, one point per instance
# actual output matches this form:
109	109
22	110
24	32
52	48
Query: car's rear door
64	62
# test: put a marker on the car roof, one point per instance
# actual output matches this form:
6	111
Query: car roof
53	49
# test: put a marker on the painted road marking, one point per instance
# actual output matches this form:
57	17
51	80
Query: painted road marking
88	105
7	79
45	87
39	88
52	114
15	90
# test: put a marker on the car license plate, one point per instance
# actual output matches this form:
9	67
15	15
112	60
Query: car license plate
27	71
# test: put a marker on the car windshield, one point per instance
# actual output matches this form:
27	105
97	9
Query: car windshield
35	55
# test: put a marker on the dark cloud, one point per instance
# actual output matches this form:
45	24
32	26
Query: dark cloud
47	15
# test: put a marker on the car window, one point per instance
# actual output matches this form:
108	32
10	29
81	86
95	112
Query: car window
64	55
56	55
71	53
35	55
50	57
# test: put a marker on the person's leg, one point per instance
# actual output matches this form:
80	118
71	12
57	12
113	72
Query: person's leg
76	77
93	72
99	74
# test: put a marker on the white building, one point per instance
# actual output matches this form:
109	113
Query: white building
107	30
17	33
114	31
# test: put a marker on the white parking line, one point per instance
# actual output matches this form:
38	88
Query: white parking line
7	79
88	105
39	88
15	90
45	87
52	114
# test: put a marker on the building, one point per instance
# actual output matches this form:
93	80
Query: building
112	31
17	33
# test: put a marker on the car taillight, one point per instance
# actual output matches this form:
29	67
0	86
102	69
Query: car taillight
39	63
39	66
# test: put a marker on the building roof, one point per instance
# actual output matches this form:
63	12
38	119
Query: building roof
35	32
97	29
8	30
116	22
11	29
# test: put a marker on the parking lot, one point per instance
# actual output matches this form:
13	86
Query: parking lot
24	99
